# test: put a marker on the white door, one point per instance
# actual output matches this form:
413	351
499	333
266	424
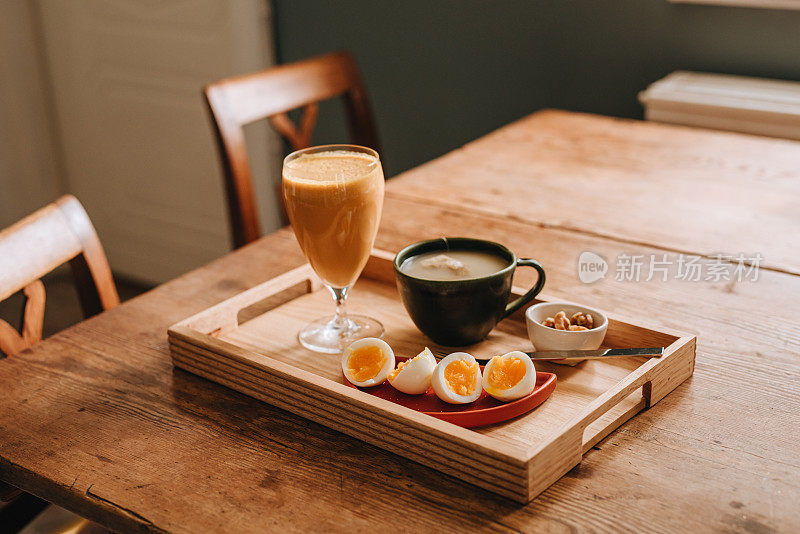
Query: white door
137	148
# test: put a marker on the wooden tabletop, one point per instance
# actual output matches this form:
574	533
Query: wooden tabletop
97	420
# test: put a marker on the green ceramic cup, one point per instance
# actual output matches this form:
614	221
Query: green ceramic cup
455	313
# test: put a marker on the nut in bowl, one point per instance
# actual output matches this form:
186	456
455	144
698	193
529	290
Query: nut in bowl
574	327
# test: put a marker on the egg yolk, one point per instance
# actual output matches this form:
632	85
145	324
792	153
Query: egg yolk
365	362
506	373
461	377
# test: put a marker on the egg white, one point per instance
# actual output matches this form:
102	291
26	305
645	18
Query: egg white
415	377
440	385
521	388
387	367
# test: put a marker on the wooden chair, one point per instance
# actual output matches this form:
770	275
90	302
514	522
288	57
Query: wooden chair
235	102
56	234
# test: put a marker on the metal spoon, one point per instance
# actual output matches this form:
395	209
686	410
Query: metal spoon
546	355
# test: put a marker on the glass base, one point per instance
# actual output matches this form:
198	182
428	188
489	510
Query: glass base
328	336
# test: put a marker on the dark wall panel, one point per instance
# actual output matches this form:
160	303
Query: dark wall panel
442	72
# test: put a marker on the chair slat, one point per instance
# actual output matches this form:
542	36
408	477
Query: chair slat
33	247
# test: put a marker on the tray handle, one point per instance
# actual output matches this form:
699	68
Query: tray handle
593	429
652	381
552	460
655	378
225	315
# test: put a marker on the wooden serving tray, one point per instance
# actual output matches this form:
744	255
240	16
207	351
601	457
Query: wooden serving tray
249	343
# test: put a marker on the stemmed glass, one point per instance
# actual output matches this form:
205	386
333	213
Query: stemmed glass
334	198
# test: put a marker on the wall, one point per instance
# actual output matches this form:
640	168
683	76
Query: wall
443	72
138	149
102	99
29	170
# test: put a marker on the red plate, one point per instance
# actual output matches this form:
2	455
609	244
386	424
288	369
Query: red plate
484	411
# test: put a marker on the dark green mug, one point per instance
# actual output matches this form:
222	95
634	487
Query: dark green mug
455	313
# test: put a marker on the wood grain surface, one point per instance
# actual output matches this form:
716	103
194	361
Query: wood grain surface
97	420
639	182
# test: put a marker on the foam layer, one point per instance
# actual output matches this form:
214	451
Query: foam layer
330	166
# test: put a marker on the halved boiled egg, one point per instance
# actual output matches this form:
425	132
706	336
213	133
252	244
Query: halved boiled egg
413	376
510	376
457	379
367	362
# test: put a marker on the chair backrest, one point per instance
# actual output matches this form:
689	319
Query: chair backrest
235	102
60	232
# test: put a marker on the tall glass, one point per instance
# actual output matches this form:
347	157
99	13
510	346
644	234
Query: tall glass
334	199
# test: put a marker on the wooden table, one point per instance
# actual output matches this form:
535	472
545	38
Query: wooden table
97	420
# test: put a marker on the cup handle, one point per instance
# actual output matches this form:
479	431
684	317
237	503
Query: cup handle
527	297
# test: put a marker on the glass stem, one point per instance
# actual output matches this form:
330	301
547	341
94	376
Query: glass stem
340	320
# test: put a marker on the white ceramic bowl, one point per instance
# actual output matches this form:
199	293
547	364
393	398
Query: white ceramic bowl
546	338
